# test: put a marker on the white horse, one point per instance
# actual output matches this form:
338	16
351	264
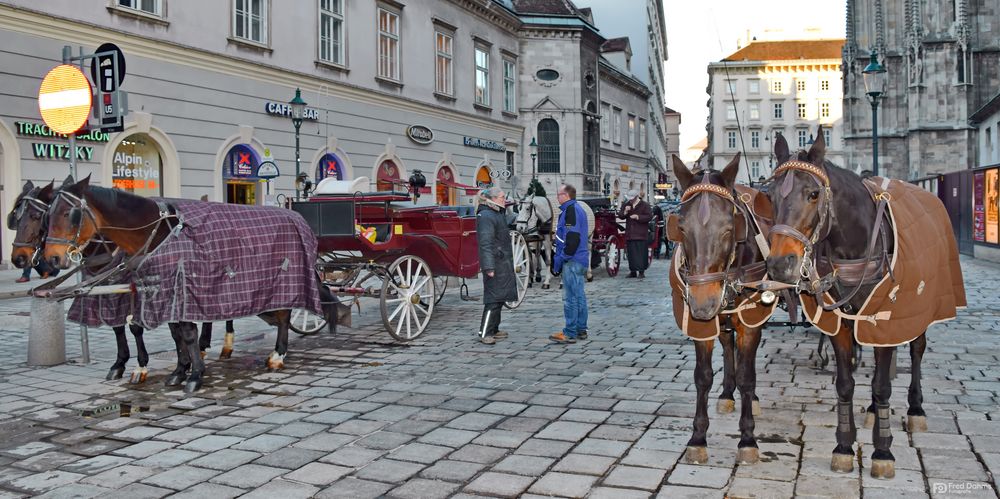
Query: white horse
536	222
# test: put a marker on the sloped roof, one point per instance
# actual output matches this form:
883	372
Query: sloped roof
667	110
620	44
556	7
789	50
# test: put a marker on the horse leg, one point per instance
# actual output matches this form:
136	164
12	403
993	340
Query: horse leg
227	342
140	373
916	418
546	258
276	360
189	334
179	375
727	403
747	341
118	368
205	339
883	462
697	447
843	455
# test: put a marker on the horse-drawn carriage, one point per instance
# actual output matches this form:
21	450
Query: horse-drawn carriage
384	245
608	239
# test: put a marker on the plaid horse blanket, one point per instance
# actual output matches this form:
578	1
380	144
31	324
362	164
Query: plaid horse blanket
103	310
226	261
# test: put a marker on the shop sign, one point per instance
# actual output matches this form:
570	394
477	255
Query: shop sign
420	134
484	144
664	186
624	168
267	170
284	109
57	151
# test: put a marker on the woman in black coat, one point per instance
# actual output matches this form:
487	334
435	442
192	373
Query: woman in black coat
637	215
496	261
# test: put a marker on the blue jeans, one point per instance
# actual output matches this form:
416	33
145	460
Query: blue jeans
574	299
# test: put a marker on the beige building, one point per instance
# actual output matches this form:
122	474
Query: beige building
767	88
672	120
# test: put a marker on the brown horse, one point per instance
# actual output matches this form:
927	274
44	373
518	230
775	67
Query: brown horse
832	236
715	230
137	226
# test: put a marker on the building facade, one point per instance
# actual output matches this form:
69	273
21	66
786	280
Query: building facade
985	184
776	87
672	120
625	132
942	63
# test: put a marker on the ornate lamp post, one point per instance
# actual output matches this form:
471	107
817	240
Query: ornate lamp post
534	146
298	110
874	75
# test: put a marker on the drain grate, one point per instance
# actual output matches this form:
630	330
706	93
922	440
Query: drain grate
101	410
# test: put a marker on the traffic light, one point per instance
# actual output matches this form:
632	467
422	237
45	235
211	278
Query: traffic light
110	102
110	109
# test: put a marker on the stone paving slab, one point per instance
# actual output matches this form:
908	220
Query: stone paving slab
356	415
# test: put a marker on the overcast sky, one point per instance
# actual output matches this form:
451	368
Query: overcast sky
703	31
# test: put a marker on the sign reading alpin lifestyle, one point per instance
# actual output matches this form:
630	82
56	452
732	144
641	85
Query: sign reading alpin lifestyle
484	144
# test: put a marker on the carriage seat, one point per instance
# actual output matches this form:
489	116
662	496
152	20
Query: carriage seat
464	211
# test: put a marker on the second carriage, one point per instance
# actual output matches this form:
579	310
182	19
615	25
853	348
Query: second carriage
383	245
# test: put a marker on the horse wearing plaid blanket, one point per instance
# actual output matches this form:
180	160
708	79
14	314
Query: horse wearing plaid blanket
197	262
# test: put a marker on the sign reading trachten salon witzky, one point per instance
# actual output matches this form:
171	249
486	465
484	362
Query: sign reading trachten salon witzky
485	144
58	150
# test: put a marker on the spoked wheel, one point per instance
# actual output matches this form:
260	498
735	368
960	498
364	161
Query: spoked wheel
650	262
405	313
522	267
305	322
613	257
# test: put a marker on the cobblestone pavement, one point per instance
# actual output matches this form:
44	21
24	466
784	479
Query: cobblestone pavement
355	415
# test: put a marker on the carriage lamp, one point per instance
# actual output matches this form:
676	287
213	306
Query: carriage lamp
298	110
303	184
417	182
874	75
534	146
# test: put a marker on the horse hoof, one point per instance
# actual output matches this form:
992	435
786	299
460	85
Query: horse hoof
883	469
916	424
725	406
175	380
696	455
115	373
138	377
755	408
869	419
204	354
747	455
546	286
225	353
842	463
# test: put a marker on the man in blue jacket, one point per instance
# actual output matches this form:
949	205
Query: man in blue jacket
570	259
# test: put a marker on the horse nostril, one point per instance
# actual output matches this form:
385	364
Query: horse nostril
54	261
19	261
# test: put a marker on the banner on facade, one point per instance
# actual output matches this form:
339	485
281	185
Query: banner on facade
978	207
992	210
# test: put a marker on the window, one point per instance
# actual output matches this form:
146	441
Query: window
824	109
778	111
753	86
605	122
803	139
509	87
388	44
631	132
730	111
642	135
755	110
331	31
444	80
731	86
826	137
801	110
482	76
618	126
776	87
755	169
548	146
824	85
148	6
250	20
755	139
731	139
509	162
800	85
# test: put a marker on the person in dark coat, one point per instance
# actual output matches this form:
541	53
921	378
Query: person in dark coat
660	222
637	215
496	261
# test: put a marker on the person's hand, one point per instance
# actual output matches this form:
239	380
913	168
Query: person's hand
634	217
489	273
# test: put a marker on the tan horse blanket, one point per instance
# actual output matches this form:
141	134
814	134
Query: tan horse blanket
925	286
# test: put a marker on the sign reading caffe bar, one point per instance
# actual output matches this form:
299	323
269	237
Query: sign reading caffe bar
59	150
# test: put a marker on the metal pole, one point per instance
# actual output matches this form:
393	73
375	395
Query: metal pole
875	136
297	125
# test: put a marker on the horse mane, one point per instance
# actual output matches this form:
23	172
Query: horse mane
125	201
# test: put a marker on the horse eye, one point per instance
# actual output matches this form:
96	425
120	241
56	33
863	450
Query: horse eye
814	195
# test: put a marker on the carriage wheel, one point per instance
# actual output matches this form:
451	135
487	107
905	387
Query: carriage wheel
306	323
405	313
650	262
522	267
613	257
440	286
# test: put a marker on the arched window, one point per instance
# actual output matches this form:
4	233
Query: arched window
548	146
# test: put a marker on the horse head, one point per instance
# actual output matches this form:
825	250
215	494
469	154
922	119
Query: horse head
708	225
801	196
26	220
72	223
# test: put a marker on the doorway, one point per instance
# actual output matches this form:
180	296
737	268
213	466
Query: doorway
241	192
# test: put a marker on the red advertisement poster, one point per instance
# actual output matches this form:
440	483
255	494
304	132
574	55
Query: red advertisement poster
978	207
992	209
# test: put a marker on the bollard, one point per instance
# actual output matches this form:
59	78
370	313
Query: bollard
47	333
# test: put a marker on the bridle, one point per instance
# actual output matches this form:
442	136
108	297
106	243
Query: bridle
27	203
807	268
75	203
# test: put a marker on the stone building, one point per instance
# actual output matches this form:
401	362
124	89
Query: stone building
625	124
943	63
771	87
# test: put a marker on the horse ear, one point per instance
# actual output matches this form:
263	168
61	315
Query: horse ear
817	153
684	176
731	170
781	148
68	182
28	186
83	184
45	195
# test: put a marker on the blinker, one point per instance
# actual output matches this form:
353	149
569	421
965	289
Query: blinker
75	216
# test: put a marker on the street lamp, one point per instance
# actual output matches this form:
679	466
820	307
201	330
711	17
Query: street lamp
874	75
298	110
534	146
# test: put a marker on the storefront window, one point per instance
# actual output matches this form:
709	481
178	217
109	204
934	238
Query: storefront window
992	210
388	174
445	191
240	171
483	179
137	166
329	166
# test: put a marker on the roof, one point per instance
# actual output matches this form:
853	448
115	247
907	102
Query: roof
554	7
620	44
667	110
789	50
986	111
